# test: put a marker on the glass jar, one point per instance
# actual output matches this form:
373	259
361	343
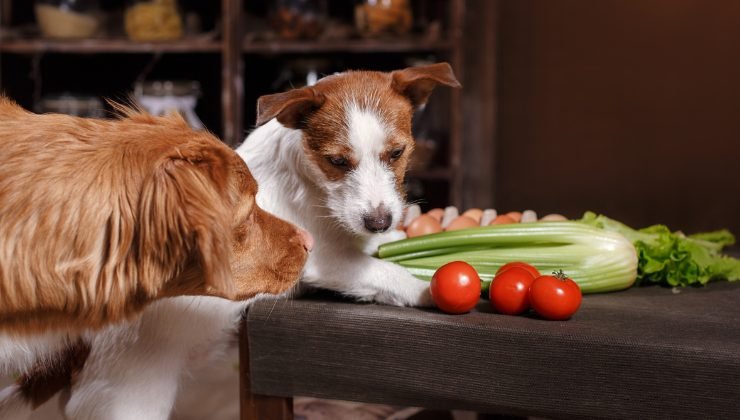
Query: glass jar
161	97
67	19
72	104
383	17
298	19
153	20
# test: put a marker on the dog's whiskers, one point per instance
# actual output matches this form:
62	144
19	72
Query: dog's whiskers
417	201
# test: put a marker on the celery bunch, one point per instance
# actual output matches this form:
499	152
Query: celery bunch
598	253
597	259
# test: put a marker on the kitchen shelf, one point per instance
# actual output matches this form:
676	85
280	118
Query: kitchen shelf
107	46
356	46
240	54
122	46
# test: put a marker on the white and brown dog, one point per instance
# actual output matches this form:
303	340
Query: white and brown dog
330	158
338	152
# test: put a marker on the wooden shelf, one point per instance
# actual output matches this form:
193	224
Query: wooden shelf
358	46
239	52
107	46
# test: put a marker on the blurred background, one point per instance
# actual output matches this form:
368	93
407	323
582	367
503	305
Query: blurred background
623	107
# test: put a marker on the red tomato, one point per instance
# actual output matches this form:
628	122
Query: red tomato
455	287
509	291
555	297
533	271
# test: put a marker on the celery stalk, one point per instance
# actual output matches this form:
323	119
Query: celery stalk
598	260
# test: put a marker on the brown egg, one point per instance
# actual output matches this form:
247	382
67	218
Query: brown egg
553	218
474	214
503	219
400	226
423	225
515	215
437	214
462	222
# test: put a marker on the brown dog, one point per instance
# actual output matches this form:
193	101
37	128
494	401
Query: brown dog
99	217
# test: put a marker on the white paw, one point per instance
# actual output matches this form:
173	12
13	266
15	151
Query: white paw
425	299
406	290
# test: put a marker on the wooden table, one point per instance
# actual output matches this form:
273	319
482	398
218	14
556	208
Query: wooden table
648	352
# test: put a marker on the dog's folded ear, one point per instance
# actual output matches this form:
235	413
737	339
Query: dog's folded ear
417	83
290	108
185	204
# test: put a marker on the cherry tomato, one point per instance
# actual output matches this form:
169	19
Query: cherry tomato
533	271
555	297
455	287
509	291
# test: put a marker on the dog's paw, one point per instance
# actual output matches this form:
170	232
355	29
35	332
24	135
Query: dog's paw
407	290
425	299
422	299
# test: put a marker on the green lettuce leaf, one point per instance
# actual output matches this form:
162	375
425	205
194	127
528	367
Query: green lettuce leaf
717	239
672	258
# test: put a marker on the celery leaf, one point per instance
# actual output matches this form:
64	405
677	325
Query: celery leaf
672	258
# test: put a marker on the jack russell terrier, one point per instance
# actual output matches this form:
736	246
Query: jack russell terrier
338	151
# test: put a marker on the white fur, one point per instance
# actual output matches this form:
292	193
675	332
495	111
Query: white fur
13	405
20	352
133	370
370	184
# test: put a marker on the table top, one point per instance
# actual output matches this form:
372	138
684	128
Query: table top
641	353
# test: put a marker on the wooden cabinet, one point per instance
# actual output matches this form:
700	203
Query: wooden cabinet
234	68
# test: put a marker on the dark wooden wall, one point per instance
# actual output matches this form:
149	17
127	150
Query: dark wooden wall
631	108
479	102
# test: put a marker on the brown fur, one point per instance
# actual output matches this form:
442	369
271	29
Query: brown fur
320	111
99	217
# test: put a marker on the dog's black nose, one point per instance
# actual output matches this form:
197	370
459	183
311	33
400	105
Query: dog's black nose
378	220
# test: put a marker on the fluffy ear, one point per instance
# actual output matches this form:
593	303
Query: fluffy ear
290	108
185	215
417	83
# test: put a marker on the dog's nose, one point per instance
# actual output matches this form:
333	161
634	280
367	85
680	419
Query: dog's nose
378	220
306	239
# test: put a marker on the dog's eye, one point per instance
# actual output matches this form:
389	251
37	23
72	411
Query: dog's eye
396	154
339	162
